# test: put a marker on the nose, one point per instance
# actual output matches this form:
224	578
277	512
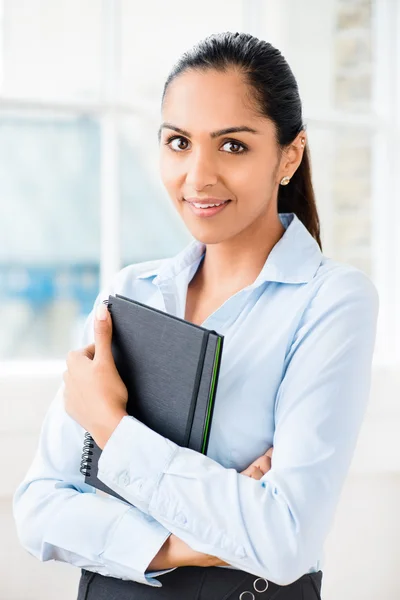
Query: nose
201	171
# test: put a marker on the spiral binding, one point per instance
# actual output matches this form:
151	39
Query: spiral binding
88	444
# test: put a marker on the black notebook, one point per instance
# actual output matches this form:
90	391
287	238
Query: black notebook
170	368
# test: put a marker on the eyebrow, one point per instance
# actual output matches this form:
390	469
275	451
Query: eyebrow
213	134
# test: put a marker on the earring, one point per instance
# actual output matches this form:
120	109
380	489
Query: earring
285	180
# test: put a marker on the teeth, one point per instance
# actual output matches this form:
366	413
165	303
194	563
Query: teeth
206	205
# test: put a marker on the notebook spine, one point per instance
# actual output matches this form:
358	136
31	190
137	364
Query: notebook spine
196	387
88	445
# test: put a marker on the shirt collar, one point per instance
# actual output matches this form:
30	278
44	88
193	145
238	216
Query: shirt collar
295	258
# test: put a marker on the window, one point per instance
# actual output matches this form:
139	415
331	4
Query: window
78	178
80	88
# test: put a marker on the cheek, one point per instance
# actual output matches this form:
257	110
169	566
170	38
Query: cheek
248	184
248	172
259	182
169	171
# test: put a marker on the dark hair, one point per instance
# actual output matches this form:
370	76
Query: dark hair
277	98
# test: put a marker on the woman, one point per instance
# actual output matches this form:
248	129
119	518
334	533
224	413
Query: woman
299	336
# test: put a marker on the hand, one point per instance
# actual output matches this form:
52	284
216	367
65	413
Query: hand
176	553
260	466
95	395
256	470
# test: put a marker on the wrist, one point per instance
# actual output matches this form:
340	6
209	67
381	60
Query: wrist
102	433
182	555
162	559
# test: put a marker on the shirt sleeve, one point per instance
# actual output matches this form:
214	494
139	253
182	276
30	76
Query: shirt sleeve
275	527
58	516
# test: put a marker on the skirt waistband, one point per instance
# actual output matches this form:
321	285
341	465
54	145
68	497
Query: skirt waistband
200	583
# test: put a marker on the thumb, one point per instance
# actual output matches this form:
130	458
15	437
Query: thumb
102	332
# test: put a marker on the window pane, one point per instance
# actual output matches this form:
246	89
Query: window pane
352	198
52	49
49	271
342	176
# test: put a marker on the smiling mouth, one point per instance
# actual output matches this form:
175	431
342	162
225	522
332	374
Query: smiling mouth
208	205
207	210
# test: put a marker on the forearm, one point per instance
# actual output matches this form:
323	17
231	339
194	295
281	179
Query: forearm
176	553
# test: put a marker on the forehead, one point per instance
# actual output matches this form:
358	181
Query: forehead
208	98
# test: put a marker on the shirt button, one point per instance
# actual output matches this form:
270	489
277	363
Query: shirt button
125	479
225	542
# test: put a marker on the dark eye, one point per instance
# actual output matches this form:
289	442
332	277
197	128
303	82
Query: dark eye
179	144
177	147
235	145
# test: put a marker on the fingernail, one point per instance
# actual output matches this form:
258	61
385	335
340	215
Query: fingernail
101	312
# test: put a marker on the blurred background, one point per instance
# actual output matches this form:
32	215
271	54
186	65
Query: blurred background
80	197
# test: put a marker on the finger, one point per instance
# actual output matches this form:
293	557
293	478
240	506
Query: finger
269	452
70	359
102	333
252	471
89	351
247	471
255	472
264	464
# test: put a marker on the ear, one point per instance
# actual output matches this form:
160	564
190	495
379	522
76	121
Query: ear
292	156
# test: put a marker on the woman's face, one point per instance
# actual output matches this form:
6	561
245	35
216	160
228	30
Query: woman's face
198	161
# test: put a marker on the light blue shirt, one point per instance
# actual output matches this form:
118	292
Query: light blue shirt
295	375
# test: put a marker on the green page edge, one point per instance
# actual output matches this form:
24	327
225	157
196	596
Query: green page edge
210	401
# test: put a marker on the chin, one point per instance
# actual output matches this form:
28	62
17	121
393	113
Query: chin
208	237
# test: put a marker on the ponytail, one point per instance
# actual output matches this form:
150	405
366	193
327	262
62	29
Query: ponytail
298	197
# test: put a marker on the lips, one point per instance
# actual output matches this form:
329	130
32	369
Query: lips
209	200
207	212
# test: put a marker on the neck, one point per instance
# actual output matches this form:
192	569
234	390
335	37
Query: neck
237	262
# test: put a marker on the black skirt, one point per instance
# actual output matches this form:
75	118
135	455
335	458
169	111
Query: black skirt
199	583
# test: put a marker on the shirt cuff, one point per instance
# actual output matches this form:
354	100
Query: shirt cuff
133	546
133	461
151	574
